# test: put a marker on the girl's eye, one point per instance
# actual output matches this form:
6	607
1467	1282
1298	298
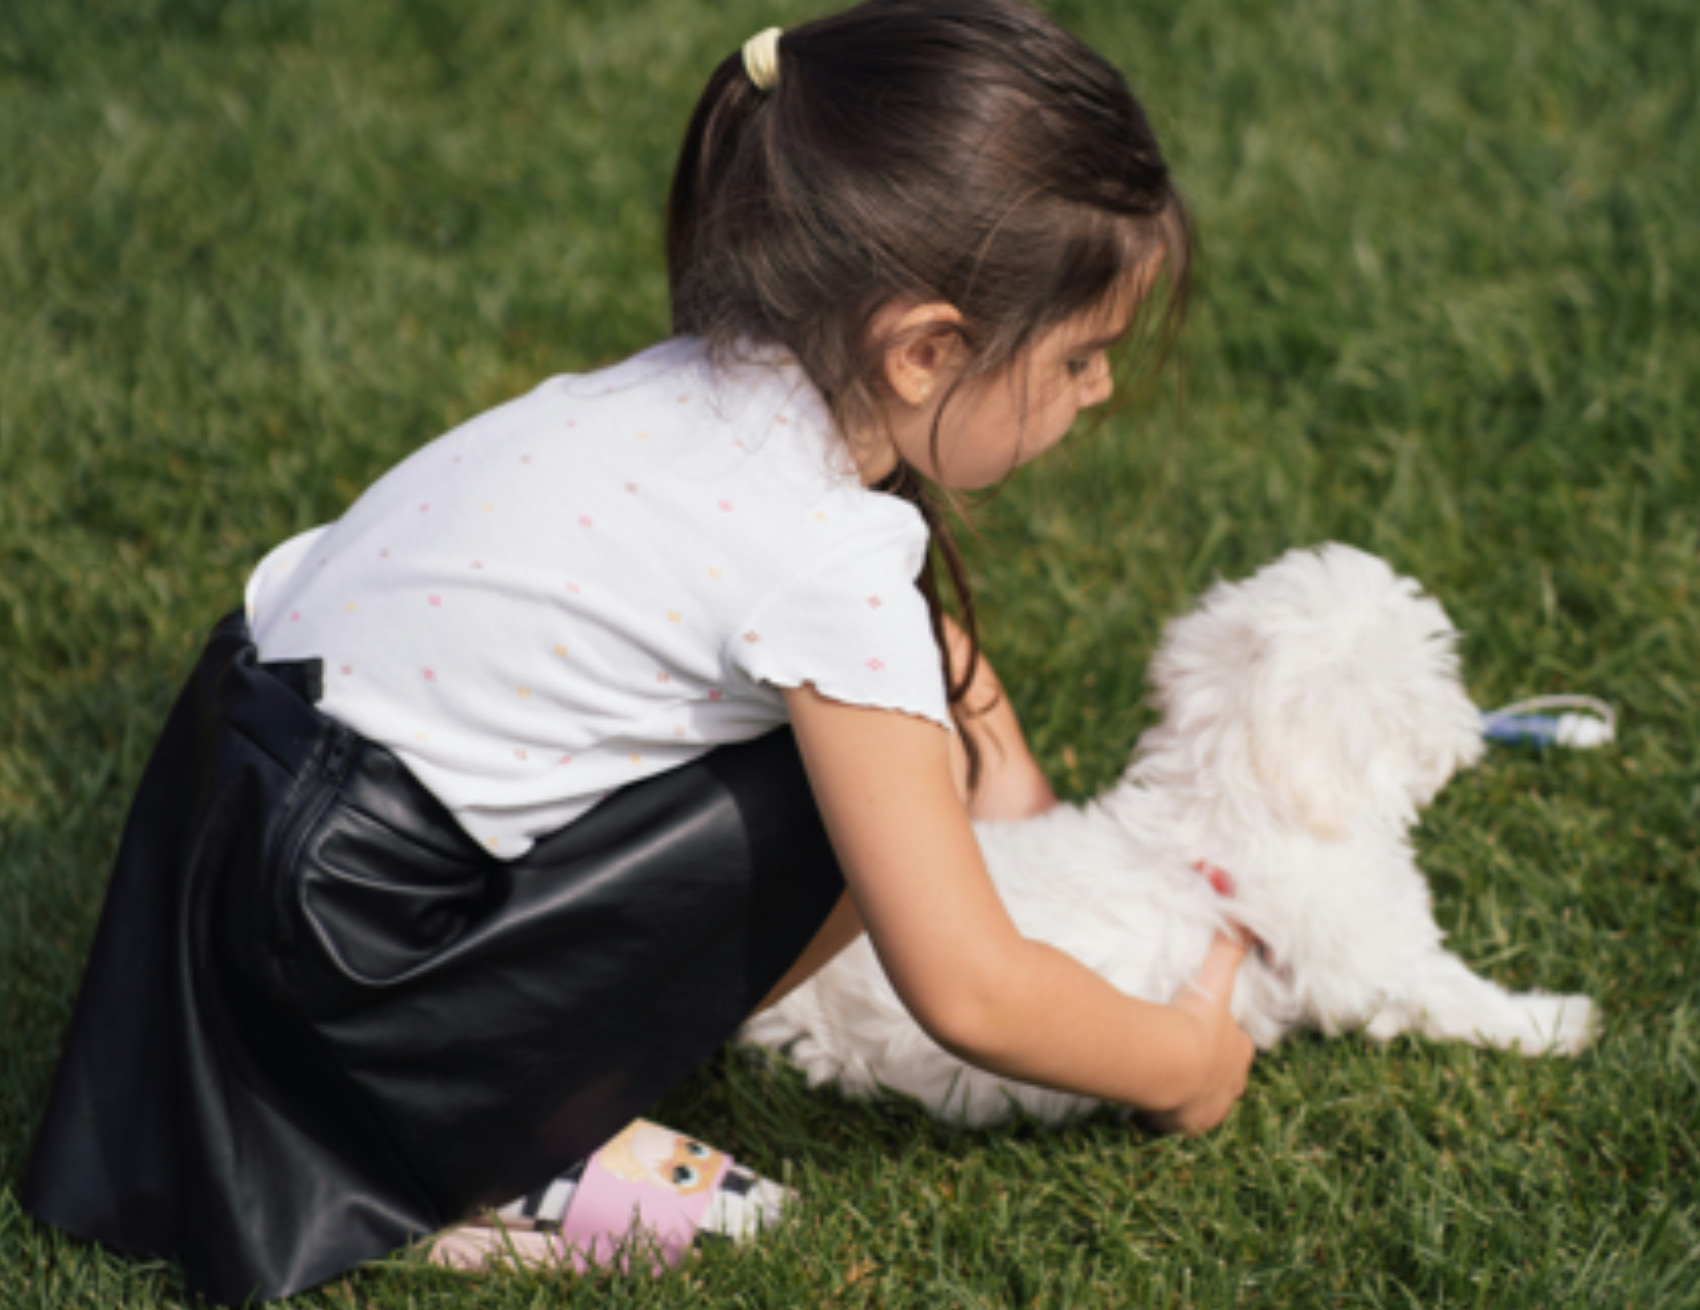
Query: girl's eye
697	1149
1077	367
684	1175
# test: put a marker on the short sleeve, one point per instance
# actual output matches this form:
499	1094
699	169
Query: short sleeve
855	626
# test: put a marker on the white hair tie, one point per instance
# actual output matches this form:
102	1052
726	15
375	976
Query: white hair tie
761	59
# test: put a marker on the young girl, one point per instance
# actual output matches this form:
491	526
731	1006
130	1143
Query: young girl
514	791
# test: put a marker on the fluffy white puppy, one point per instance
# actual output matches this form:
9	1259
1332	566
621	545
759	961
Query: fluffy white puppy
1306	715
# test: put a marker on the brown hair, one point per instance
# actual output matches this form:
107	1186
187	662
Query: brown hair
969	152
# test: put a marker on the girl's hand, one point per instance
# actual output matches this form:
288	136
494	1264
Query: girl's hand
1225	1051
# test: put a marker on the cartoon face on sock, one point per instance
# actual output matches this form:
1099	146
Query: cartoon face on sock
648	1153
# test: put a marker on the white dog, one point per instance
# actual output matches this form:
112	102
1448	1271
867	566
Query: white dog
1306	715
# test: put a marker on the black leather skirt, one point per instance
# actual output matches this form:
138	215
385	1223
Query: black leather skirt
319	1021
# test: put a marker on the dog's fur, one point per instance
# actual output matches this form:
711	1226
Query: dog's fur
1306	715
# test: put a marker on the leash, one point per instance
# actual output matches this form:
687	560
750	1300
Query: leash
1518	723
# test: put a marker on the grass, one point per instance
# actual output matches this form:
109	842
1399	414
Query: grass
253	251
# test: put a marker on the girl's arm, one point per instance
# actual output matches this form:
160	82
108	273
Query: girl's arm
1020	1008
1011	783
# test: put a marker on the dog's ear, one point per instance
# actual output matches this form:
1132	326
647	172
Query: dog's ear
1356	708
1313	744
1326	687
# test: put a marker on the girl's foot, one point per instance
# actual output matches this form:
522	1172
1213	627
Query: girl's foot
650	1187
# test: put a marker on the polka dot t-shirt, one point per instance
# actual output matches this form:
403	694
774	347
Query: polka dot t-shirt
602	580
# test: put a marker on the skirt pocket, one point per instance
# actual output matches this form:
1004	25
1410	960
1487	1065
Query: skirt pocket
382	906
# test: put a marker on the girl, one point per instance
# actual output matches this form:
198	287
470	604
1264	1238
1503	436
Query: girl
514	791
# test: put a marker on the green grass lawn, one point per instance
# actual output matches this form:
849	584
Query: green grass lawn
253	251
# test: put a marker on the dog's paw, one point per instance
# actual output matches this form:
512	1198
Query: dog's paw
1387	1023
1558	1025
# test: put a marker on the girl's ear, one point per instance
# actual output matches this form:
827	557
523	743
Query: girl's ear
925	350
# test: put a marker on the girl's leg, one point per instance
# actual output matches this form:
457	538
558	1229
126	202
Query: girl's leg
1011	787
842	926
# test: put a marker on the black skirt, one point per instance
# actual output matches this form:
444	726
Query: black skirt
319	1021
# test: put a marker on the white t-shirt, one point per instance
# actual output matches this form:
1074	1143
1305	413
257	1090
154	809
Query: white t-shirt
602	580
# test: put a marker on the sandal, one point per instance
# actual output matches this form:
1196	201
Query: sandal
649	1186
